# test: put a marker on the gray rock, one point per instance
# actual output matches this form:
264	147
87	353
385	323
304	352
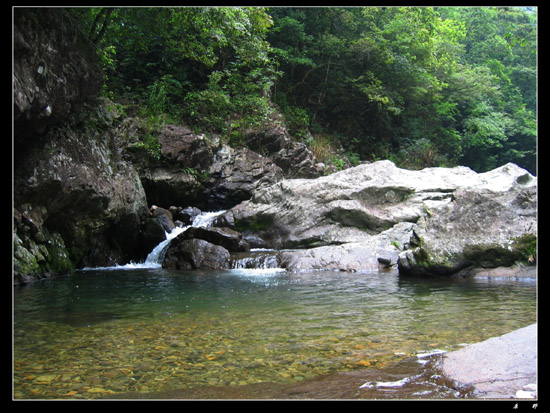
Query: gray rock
497	367
476	229
297	161
164	218
178	143
354	256
187	215
515	272
193	169
294	158
55	68
455	218
236	174
66	156
94	199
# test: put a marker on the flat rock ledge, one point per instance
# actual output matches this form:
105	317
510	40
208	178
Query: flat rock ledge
499	368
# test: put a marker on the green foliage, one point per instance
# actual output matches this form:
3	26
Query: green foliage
150	144
527	247
163	96
423	86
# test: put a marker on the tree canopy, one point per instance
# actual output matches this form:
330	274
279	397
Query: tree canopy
422	86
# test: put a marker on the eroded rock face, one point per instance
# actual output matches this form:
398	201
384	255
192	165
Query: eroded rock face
294	158
93	198
178	143
55	68
237	173
476	229
193	169
440	220
376	253
67	162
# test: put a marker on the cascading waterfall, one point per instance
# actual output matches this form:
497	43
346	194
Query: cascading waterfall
155	257
261	259
256	261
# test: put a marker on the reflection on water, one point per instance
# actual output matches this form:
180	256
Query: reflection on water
103	333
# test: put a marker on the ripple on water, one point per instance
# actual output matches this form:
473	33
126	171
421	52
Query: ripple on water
103	334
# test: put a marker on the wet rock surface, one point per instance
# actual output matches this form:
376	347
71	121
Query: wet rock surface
225	237
66	160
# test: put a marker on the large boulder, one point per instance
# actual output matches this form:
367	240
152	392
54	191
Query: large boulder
236	174
179	143
193	254
178	166
476	229
225	237
378	252
440	220
93	198
348	206
294	158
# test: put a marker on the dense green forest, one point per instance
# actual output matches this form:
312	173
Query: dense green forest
422	86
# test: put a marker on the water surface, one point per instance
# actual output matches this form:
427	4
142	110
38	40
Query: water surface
103	333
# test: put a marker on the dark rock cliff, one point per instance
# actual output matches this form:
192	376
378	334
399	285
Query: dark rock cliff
76	201
55	69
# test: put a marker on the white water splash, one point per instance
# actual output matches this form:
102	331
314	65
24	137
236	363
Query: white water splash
155	257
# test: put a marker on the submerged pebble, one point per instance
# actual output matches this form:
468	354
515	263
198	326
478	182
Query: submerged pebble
284	342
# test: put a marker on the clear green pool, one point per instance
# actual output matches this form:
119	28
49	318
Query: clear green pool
102	333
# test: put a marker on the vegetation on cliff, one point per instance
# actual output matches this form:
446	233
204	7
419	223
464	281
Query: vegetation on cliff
422	86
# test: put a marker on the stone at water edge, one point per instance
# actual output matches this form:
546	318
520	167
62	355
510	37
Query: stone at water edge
497	367
483	220
192	254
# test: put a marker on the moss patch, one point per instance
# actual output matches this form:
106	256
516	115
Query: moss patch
259	223
526	246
